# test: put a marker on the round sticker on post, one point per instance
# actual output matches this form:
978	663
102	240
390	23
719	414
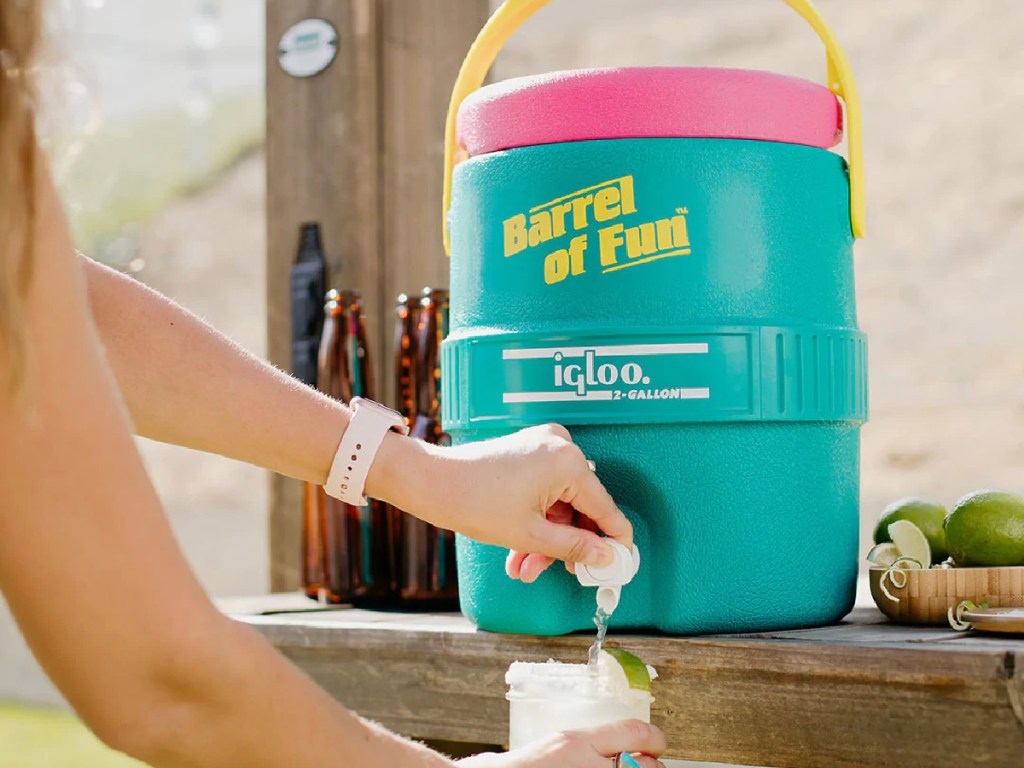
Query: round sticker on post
308	48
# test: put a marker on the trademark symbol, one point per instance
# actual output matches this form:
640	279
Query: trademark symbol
682	210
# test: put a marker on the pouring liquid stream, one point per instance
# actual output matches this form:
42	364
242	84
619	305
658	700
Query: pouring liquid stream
601	622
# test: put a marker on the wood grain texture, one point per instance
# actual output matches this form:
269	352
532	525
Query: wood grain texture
322	150
862	693
359	148
928	594
423	43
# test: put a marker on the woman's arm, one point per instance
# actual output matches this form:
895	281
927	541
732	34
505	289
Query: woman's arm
90	568
92	573
185	383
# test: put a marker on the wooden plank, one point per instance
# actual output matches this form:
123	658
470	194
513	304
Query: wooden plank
881	695
863	628
322	149
423	43
281	602
359	148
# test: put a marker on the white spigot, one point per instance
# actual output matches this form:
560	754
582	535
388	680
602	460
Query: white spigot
610	579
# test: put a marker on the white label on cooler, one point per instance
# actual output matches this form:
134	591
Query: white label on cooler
586	373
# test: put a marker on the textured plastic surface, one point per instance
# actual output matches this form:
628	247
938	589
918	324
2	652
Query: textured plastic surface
649	102
675	374
747	519
743	528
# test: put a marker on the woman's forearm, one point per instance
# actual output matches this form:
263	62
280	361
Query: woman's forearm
131	640
231	686
187	384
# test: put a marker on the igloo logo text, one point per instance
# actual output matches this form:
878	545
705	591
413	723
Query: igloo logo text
609	372
590	373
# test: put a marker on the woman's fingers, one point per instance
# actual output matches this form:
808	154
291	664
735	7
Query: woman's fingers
645	761
558	542
572	527
566	542
586	523
561	513
528	567
514	564
533	566
590	498
626	736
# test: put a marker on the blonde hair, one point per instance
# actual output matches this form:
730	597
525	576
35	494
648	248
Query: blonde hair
20	33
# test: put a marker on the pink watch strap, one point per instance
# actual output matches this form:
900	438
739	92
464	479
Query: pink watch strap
359	445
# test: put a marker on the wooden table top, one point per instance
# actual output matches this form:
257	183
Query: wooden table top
860	693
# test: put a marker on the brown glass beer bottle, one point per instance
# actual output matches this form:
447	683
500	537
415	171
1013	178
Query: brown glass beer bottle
338	520
312	548
406	317
375	566
428	553
315	545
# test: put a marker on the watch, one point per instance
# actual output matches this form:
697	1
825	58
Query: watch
370	422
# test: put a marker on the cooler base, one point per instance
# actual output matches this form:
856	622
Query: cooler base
741	528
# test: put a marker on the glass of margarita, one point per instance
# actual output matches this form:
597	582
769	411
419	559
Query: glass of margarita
548	698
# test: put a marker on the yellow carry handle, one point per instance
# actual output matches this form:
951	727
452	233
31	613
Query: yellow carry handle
511	15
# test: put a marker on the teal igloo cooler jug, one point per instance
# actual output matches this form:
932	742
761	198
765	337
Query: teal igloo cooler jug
661	260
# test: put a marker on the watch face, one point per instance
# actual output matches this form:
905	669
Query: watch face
373	405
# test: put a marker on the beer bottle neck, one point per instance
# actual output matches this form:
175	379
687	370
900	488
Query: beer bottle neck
310	245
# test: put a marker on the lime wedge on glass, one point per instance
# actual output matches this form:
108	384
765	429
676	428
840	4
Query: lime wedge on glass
883	555
911	542
638	674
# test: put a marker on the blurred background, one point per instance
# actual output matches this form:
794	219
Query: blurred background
157	145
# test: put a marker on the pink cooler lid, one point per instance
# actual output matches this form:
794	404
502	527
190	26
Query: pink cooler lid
649	102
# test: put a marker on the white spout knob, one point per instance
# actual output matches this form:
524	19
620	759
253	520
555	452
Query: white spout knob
608	599
611	578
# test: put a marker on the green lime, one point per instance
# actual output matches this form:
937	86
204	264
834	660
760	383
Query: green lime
987	528
926	515
638	676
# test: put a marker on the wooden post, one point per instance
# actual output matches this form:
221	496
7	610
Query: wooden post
358	148
423	43
322	150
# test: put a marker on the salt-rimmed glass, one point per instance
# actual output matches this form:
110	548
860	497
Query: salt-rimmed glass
548	698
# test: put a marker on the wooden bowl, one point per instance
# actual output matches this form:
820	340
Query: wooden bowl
929	594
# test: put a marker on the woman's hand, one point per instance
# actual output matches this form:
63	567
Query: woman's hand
589	748
532	491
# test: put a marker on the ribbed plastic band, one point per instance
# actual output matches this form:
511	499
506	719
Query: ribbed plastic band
690	375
